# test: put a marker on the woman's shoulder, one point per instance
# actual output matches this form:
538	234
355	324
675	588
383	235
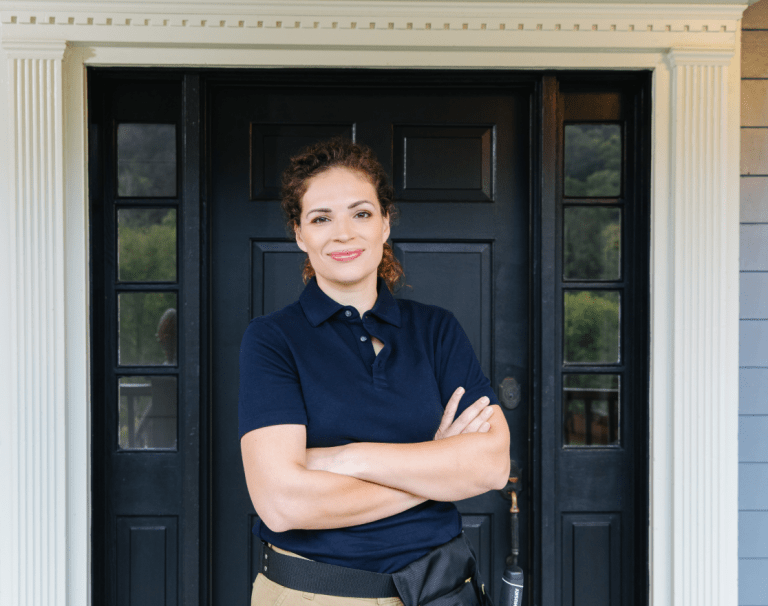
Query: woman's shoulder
421	314
274	323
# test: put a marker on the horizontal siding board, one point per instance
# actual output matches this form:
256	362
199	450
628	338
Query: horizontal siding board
753	534
754	103
753	343
754	199
753	391
753	480
754	150
753	295
753	439
754	54
754	248
753	582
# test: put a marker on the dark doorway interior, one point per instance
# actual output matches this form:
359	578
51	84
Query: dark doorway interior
524	210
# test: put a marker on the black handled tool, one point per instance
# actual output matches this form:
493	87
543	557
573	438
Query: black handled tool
512	579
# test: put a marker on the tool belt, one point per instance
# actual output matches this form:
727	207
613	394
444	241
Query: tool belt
446	576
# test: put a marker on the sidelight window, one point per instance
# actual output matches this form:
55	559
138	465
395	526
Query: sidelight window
146	287
592	216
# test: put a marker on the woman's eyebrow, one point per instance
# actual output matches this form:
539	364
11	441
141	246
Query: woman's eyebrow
328	210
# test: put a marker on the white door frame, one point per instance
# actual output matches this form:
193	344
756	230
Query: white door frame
694	52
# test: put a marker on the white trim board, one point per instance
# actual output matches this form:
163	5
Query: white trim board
694	53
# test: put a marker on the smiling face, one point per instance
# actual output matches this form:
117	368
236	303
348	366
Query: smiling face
342	230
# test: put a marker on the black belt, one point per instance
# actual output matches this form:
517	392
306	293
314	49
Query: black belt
327	579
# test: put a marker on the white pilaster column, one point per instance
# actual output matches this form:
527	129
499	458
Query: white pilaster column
704	237
35	427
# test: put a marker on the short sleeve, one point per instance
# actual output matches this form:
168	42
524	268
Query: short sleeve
270	391
458	366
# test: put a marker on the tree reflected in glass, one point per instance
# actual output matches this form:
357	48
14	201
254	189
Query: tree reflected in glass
592	243
145	336
591	333
146	160
592	162
146	245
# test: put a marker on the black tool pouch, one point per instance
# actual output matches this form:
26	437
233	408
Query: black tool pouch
446	576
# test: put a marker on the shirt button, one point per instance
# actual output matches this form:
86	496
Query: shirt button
347	313
363	338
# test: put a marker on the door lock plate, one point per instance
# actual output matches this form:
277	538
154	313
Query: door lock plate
510	393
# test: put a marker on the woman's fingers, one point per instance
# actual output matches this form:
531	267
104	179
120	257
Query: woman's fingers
473	419
449	413
479	421
468	416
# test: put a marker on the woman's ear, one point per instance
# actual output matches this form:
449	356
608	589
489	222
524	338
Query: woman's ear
299	239
385	228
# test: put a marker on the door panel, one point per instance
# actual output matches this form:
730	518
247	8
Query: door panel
429	266
592	559
147	560
461	171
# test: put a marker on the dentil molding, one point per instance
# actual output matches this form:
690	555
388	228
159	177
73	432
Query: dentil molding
418	17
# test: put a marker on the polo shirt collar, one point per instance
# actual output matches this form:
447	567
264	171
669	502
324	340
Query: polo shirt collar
318	306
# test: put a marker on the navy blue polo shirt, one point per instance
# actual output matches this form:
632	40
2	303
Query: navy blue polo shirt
312	363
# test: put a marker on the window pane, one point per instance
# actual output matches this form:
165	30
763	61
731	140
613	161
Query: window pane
591	410
146	244
592	160
147	328
591	326
146	160
592	246
148	411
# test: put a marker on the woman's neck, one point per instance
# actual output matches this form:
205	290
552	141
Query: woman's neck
362	296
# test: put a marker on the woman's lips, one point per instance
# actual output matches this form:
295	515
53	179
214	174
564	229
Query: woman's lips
346	255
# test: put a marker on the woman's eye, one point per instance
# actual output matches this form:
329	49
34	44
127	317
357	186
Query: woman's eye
364	214
319	219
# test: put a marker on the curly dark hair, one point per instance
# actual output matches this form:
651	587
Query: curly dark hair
339	152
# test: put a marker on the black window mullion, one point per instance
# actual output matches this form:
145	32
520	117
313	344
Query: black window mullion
121	203
140	371
193	570
120	287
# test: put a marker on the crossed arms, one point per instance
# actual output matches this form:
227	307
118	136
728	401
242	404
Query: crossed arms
294	487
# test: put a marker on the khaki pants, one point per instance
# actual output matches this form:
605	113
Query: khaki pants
269	593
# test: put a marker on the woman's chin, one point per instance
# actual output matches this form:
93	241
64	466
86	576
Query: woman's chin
347	279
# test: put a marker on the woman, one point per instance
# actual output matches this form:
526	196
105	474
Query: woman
361	417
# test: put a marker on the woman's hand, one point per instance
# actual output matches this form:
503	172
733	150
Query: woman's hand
473	419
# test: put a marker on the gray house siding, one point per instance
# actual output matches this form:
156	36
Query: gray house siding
753	338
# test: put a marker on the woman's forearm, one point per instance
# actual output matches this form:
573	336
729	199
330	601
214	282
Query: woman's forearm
450	469
321	500
288	495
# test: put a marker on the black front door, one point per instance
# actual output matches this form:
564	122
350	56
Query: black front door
460	156
524	204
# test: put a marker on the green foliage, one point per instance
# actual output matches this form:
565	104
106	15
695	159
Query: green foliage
592	160
592	243
147	245
140	315
591	326
611	237
146	160
597	382
146	253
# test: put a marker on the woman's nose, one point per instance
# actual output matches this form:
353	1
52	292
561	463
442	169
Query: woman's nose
343	229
